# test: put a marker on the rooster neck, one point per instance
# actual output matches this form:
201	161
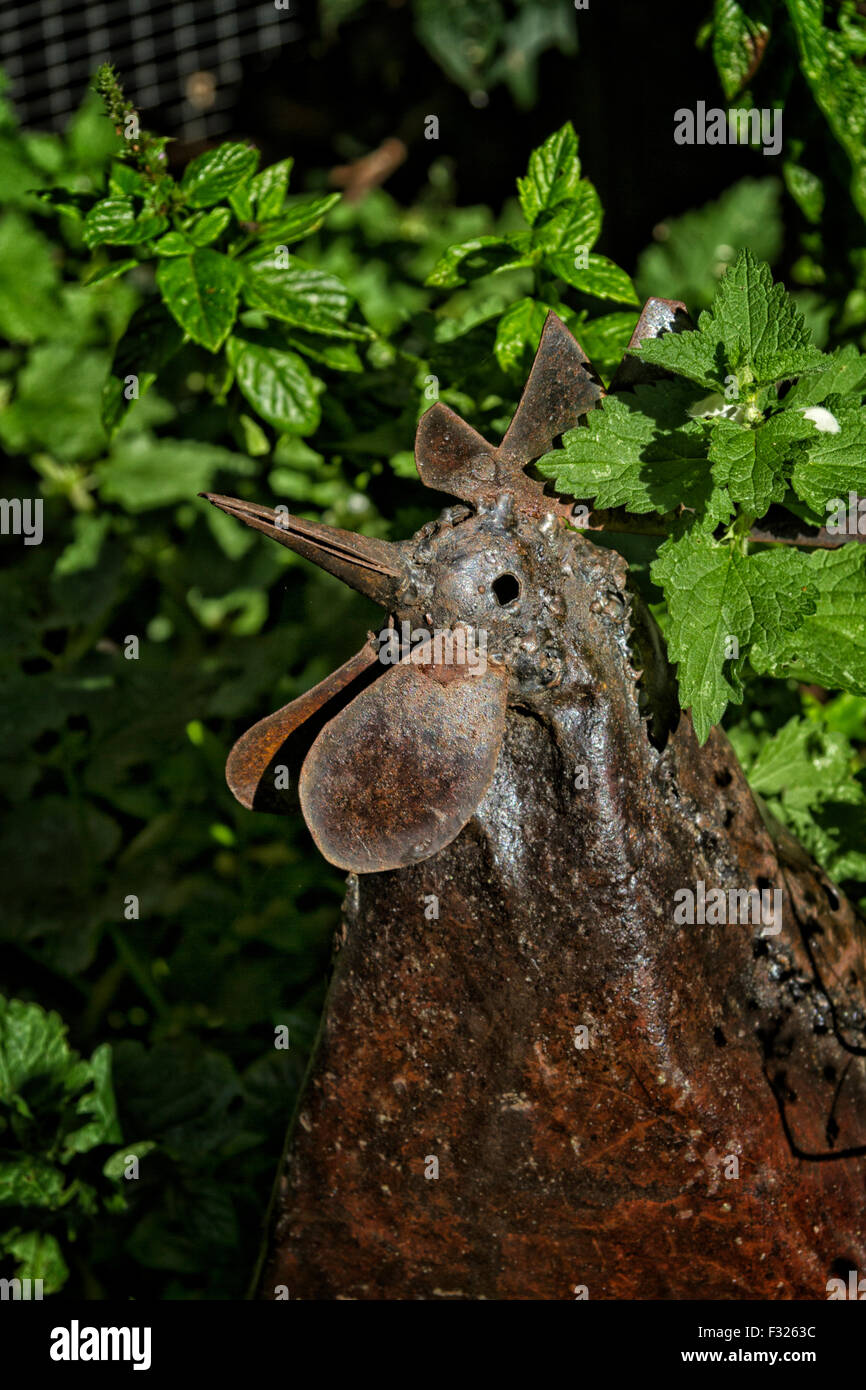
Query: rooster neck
529	1075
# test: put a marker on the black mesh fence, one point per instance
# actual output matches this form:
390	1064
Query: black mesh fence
181	63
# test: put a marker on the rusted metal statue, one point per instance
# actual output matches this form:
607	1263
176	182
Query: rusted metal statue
530	1080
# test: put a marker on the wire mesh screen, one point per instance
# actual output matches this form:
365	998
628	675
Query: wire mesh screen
181	63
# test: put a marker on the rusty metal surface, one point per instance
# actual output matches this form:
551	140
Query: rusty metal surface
257	749
607	1167
657	316
397	774
364	563
452	457
531	1078
562	386
454	1038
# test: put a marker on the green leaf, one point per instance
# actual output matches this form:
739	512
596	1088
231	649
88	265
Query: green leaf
534	28
242	611
461	38
114	1167
249	437
213	175
38	1256
552	175
151	339
843	826
806	189
201	291
241	201
754	332
739	41
125	180
308	299
301	218
65	200
483	255
805	771
639	450
339	355
278	385
753	464
39	1075
840	373
206	228
719	601
109	272
832	464
691	252
605	339
173	244
143	473
82	552
28	1181
114	222
829	648
269	189
599	276
518	333
97	1102
64	423
804	761
91	136
26	259
836	76
201	1228
32	1045
571	226
782	592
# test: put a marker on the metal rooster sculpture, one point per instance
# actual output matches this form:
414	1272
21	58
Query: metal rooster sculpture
531	1082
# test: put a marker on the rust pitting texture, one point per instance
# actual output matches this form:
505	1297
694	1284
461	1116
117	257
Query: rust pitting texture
561	1167
550	807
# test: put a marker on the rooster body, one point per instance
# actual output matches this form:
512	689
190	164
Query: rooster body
534	1079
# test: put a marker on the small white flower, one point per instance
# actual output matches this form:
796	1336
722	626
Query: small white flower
823	419
716	406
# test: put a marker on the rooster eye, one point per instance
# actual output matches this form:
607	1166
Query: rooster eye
506	589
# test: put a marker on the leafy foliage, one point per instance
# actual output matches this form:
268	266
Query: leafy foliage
563	215
740	35
754	334
724	459
113	768
832	63
757	46
55	1110
720	601
482	45
690	253
810	773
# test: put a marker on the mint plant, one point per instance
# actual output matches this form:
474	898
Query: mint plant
219	241
563	218
753	415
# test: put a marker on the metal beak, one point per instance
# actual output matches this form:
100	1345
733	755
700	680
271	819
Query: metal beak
373	567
